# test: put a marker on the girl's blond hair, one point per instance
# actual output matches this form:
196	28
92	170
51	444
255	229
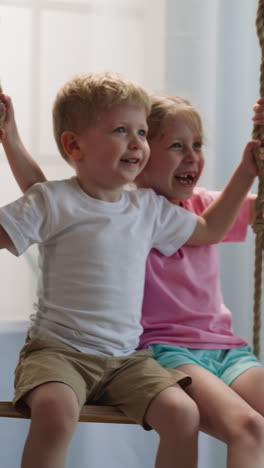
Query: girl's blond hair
164	107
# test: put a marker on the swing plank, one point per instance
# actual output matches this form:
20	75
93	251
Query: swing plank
89	413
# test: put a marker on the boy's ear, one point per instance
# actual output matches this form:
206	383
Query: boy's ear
69	141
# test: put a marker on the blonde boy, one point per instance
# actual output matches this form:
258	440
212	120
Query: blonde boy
94	239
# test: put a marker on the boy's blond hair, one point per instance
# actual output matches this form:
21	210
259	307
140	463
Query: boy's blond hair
164	107
80	101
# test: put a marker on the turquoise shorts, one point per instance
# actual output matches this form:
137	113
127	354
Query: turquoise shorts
227	364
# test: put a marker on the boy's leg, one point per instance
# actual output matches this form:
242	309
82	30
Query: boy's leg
175	417
54	415
47	381
226	416
155	398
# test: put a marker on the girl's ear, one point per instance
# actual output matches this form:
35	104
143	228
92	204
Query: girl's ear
69	141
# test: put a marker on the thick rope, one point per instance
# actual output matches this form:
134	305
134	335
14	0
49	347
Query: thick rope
258	133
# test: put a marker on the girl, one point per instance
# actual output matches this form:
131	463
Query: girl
185	321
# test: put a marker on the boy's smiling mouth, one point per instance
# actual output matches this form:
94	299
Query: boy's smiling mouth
130	160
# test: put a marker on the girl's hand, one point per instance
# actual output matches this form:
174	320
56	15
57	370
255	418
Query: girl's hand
252	151
258	108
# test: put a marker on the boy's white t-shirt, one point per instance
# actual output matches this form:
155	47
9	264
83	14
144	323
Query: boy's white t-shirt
92	259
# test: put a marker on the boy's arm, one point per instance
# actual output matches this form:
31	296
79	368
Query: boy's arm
220	215
5	241
24	168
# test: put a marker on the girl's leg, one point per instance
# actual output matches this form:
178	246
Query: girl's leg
174	415
226	416
250	386
54	415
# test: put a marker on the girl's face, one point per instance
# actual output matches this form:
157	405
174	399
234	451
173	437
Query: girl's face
176	160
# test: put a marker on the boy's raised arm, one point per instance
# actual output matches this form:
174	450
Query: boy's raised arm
25	170
220	215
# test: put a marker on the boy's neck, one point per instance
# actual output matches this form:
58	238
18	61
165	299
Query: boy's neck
100	193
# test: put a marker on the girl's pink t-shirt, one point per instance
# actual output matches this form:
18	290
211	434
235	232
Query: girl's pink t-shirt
183	303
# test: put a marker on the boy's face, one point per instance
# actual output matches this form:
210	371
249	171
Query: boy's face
113	151
176	160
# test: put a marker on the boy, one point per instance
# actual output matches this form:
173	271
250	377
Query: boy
94	239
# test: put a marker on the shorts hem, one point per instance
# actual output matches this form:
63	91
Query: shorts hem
186	378
229	381
21	405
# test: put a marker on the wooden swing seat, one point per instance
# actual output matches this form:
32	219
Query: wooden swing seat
89	413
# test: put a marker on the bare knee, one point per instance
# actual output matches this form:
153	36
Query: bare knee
173	412
247	430
54	409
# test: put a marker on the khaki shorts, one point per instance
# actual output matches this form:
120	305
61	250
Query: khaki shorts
129	382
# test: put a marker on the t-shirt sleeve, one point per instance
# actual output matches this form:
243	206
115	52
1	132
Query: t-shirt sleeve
174	225
202	198
26	219
238	230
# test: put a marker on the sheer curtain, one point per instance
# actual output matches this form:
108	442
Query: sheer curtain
205	50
